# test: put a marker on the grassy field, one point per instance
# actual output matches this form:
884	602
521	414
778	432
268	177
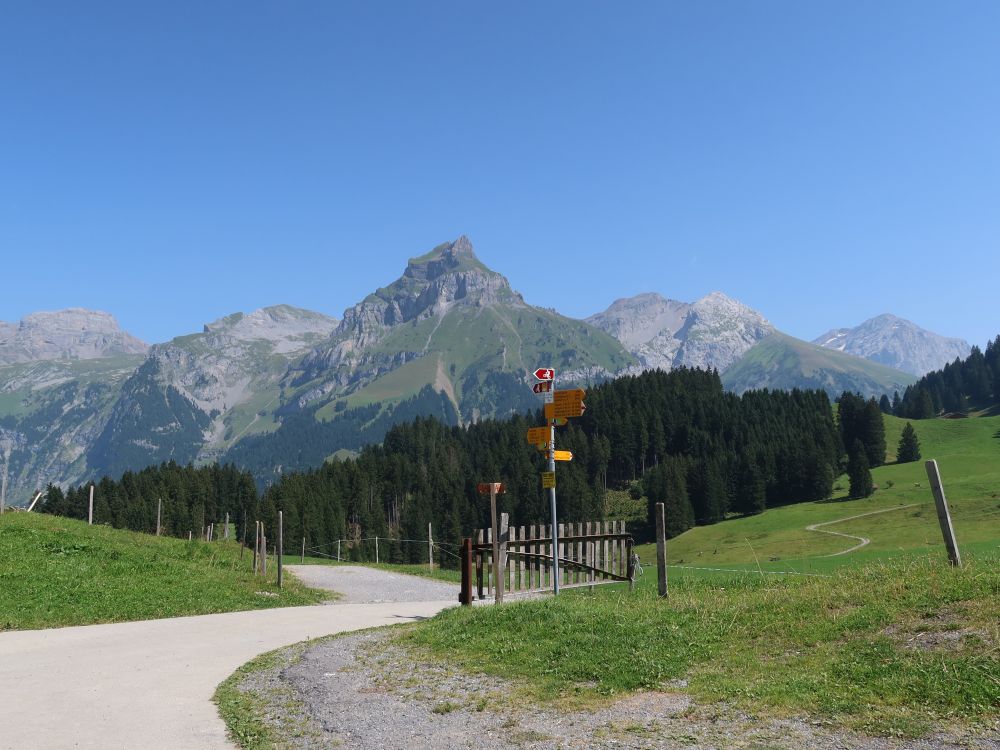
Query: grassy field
56	571
888	648
968	454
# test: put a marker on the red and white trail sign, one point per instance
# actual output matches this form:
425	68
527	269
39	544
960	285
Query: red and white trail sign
543	387
545	373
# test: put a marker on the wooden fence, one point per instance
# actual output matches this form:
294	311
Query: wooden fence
590	554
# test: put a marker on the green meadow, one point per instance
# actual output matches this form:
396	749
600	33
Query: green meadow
58	571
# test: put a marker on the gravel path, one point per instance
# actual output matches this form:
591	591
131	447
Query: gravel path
366	692
360	585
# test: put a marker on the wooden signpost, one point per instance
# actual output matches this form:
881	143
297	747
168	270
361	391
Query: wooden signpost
493	489
944	516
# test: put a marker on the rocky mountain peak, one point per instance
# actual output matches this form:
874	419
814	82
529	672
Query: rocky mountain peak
448	275
896	342
74	333
714	332
276	323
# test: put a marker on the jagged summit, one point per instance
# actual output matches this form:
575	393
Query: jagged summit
446	258
74	333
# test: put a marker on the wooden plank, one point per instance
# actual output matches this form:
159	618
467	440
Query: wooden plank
543	549
531	560
489	565
606	545
581	575
511	561
521	562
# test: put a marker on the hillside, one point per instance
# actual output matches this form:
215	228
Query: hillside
783	362
57	572
968	454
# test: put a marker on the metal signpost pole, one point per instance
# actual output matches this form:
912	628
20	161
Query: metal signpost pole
552	507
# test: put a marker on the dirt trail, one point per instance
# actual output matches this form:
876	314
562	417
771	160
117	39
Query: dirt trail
864	541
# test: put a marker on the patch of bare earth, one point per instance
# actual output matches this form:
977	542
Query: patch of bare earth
365	691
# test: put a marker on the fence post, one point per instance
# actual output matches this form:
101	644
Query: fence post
944	517
376	550
303	550
159	505
226	532
338	550
281	543
256	545
661	550
465	595
430	547
90	510
630	567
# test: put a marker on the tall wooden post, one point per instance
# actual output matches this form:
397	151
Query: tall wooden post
159	506
502	571
225	534
281	543
430	547
661	550
376	550
338	550
465	595
303	550
256	545
496	543
90	511
944	517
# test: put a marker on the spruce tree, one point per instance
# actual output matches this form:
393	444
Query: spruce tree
859	472
909	446
884	405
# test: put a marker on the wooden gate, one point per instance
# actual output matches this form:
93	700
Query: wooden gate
590	554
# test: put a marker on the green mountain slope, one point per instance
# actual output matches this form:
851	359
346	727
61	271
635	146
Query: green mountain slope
783	362
50	414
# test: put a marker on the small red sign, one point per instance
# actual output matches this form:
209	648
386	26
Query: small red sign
486	487
544	387
543	373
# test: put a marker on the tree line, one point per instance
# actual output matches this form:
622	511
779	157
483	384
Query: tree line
957	387
678	435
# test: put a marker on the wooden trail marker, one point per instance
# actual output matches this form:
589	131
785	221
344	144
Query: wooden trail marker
944	516
90	511
661	550
33	502
303	550
494	489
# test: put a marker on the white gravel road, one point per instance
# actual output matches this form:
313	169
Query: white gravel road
149	684
357	584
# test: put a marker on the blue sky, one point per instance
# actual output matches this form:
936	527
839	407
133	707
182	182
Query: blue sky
822	162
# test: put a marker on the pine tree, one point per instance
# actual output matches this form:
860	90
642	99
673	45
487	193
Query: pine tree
909	446
884	405
859	472
896	401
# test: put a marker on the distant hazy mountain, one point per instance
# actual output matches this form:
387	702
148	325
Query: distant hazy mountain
714	332
68	334
783	362
897	343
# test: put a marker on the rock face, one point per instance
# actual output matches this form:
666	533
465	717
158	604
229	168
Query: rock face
713	332
68	334
897	343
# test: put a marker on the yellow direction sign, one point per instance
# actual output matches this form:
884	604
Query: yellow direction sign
538	435
564	455
568	403
548	480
